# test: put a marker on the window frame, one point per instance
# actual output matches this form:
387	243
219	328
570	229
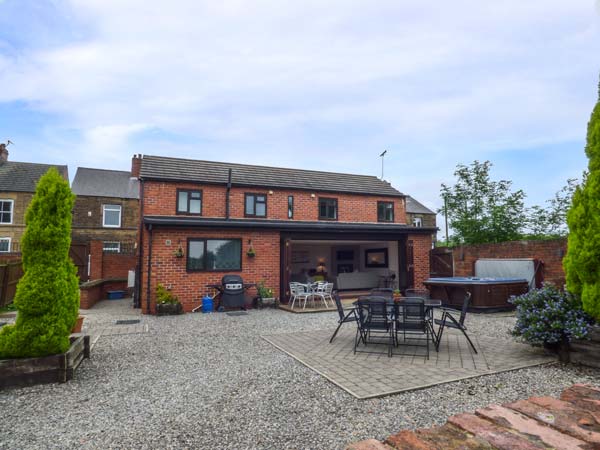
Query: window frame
9	244
290	207
337	211
417	220
205	240
12	210
187	211
104	208
255	194
383	202
111	250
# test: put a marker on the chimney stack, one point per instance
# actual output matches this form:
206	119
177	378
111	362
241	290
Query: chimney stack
3	153
136	165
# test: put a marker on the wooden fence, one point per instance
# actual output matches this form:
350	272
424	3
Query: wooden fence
10	274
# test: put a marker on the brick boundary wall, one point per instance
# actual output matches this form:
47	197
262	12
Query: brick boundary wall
551	252
538	422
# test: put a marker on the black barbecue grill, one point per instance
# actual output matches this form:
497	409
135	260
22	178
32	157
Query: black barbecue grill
233	292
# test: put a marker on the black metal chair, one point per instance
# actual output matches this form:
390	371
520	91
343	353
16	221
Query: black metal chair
375	325
423	293
411	318
345	317
449	321
387	293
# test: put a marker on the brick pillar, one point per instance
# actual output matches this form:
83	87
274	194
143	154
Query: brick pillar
96	255
421	249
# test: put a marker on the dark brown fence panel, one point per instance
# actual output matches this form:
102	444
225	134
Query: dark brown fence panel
441	263
10	274
79	255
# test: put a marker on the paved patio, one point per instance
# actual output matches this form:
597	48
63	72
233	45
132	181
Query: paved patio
367	375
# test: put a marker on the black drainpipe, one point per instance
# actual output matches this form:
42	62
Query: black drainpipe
149	268
227	196
138	300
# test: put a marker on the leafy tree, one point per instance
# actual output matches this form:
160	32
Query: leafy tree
47	296
582	262
482	210
551	222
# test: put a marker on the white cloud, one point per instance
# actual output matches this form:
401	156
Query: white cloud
316	84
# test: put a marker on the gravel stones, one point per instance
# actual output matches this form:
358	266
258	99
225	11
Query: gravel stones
211	381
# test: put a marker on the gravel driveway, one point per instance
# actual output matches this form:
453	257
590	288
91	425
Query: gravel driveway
210	381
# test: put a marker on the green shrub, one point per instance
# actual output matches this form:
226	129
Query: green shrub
549	316
163	296
263	291
47	297
583	254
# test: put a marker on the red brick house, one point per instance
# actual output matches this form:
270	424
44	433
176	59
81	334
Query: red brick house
201	220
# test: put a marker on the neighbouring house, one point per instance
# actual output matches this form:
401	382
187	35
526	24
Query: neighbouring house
17	185
202	220
106	220
419	215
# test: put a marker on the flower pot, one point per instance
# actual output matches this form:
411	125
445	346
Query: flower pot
560	349
169	309
78	324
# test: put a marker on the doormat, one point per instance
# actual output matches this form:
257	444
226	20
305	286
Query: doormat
237	313
127	322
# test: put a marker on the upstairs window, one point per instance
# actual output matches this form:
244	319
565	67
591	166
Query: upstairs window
256	205
111	216
189	202
6	211
385	211
328	209
290	206
417	222
4	245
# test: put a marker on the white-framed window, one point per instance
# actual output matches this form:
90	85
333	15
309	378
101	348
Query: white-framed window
5	245
114	247
417	222
6	211
111	216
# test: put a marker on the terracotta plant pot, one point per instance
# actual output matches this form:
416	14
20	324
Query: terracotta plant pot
78	325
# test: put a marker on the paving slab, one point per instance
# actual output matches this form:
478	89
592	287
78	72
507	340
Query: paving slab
368	375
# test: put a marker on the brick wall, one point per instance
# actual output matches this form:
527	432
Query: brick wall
105	265
421	249
190	287
160	199
551	252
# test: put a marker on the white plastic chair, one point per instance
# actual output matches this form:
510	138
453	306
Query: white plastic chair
323	291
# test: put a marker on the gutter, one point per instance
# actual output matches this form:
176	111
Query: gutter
138	300
149	269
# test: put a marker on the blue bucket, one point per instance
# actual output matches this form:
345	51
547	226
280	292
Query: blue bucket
207	304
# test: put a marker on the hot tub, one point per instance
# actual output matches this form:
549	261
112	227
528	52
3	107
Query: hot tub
487	294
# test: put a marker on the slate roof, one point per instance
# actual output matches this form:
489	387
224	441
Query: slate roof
177	169
23	176
105	183
414	207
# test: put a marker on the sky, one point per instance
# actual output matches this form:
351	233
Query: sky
323	85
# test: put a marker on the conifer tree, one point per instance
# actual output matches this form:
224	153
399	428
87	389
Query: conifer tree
47	297
582	262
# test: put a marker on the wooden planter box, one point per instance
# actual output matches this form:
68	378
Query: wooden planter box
587	352
46	369
169	309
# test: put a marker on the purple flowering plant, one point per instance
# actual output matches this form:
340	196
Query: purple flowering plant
550	316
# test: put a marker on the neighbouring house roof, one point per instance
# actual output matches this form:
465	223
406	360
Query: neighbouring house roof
287	225
414	207
210	172
23	176
105	183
